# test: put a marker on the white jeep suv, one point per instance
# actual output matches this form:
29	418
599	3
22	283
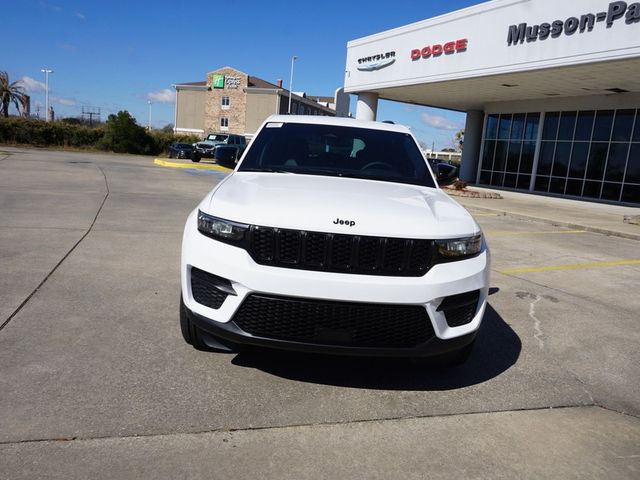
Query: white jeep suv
333	236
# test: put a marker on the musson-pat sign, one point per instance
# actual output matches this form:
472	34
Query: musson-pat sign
522	32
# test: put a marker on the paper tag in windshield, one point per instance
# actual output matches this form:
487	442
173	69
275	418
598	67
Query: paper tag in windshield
274	125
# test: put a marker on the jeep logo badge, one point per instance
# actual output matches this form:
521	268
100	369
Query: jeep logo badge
350	223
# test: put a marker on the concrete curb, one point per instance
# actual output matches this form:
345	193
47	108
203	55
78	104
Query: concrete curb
604	231
192	165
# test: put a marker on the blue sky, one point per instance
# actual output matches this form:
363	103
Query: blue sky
117	55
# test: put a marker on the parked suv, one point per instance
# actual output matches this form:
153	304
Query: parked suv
207	147
332	235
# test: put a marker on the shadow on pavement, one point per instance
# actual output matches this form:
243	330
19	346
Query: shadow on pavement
497	349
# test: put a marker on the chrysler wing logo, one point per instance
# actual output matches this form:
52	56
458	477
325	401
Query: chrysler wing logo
376	62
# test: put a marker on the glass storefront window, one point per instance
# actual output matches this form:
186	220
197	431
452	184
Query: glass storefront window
504	127
531	127
586	153
616	161
633	166
567	125
546	158
636	130
579	156
513	157
561	159
631	193
517	126
526	159
622	125
611	191
500	158
597	157
602	127
584	125
492	126
550	130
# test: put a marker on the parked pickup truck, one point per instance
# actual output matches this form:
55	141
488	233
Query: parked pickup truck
207	147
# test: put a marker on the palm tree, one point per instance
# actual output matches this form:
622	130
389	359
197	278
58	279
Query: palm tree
10	92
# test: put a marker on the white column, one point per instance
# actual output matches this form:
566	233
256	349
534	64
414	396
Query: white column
367	106
536	155
472	143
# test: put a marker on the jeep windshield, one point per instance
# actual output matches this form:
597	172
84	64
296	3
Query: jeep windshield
217	138
331	150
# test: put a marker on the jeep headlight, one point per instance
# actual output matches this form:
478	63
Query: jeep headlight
459	247
220	229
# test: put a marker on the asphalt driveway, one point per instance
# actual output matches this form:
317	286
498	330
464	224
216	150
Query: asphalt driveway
96	381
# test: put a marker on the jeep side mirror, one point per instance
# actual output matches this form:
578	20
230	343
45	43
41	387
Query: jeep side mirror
446	174
225	155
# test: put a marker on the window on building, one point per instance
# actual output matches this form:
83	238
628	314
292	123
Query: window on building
594	159
224	102
590	153
509	147
224	123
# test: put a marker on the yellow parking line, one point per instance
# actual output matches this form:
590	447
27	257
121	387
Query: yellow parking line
571	267
164	163
507	232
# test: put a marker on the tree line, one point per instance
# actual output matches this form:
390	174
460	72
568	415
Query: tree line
120	133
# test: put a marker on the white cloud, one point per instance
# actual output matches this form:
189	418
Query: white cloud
32	85
81	16
438	122
162	96
50	6
69	102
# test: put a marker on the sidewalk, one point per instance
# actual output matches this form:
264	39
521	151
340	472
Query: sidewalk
591	216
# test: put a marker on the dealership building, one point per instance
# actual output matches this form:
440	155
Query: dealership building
232	101
551	90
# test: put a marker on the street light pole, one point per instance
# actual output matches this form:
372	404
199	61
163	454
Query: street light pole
46	72
293	59
149	124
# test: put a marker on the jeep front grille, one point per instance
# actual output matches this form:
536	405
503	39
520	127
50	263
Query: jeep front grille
329	252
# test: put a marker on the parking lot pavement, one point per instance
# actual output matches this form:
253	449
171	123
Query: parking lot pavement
500	445
94	357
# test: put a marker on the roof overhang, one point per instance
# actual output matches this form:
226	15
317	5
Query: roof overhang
500	51
603	78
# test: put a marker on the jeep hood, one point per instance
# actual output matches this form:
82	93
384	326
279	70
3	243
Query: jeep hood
318	203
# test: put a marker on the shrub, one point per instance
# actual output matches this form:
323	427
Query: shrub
119	134
40	133
123	135
459	185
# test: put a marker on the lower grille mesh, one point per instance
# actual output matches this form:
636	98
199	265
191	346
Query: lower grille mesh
204	290
334	323
460	309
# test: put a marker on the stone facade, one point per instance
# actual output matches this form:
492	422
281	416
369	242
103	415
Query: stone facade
233	86
199	105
